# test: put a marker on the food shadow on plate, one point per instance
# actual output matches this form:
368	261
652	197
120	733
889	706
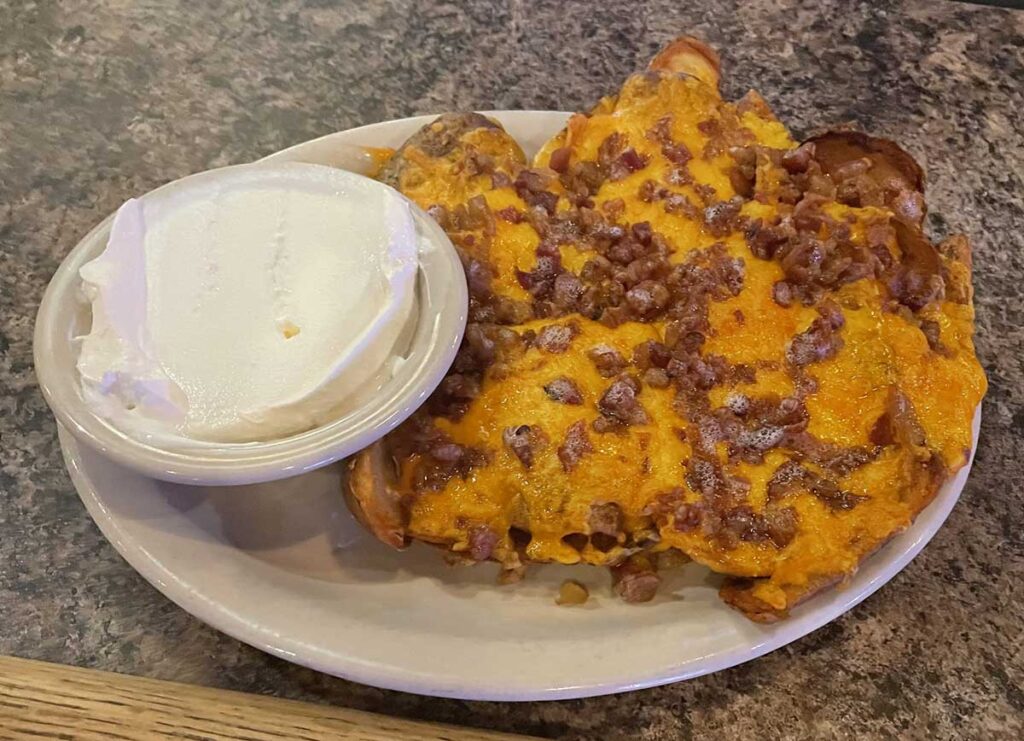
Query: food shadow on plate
302	526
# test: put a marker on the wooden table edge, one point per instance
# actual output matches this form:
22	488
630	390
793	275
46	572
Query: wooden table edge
39	699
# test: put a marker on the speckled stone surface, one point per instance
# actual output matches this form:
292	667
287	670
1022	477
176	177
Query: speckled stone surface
103	100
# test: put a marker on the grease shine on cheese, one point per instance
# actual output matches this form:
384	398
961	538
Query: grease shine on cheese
250	306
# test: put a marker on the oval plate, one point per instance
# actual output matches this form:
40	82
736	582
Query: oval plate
285	568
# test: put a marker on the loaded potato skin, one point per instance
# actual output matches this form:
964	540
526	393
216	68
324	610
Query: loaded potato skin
688	333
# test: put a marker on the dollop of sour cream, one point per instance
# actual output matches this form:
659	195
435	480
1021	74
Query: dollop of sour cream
258	302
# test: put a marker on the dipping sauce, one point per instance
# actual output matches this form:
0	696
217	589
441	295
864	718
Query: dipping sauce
249	306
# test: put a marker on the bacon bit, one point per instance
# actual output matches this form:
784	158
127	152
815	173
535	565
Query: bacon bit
606	518
583	179
532	180
478	163
677	203
750	445
610	148
710	128
559	161
677	153
633	160
479	276
524	441
879	235
545	199
722	218
577	444
568	289
832	496
482	541
648	298
649	191
614	208
651	354
453	396
706	192
696	371
445	460
556	338
798	160
765	240
661	132
540	282
511	214
564	390
619	406
635	579
730	525
819	341
448	453
791	477
478	349
780	525
743	174
608	361
782	294
510	311
531	186
841	461
704	476
737	403
477	215
500	179
656	378
807	215
625	251
642	232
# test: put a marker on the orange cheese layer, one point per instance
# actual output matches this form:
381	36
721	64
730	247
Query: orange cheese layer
881	350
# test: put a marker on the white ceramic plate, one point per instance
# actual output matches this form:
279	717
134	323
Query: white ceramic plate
283	567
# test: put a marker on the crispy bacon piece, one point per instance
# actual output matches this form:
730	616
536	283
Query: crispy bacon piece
576	445
564	390
636	579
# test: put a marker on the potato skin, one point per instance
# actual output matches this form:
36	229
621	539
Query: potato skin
686	145
444	138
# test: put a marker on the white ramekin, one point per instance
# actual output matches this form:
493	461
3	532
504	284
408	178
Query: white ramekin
64	314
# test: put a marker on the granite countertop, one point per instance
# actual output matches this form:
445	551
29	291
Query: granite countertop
102	100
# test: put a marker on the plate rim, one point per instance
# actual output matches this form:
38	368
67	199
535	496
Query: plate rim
393	677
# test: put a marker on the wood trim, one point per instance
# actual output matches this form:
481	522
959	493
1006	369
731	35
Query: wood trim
40	700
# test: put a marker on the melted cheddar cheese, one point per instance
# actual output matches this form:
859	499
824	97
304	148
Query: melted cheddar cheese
884	355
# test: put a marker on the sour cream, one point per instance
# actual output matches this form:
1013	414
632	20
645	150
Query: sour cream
255	304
